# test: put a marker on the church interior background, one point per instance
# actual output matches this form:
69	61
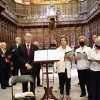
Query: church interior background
47	20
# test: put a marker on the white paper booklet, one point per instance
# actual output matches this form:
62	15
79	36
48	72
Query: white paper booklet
29	94
71	53
45	55
22	95
81	55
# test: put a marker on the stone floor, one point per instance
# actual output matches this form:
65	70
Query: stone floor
75	89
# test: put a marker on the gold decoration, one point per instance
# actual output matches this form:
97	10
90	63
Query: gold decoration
49	1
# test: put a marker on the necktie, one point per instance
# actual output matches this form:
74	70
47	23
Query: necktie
28	49
94	46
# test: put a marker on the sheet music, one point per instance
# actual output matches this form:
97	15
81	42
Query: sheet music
53	55
45	55
40	55
71	53
81	55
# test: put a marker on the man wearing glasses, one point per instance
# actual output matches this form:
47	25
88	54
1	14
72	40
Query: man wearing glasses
28	67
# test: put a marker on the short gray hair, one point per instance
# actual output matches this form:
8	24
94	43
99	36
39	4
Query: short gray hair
27	33
17	38
3	43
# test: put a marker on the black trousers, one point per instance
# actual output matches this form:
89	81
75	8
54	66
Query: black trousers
59	80
16	68
94	85
64	80
32	85
38	75
4	76
84	80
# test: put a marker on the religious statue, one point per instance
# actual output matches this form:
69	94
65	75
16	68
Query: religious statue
51	10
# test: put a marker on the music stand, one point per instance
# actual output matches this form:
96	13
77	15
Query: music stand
46	57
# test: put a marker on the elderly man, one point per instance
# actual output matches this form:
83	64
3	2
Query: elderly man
15	56
38	67
4	66
28	67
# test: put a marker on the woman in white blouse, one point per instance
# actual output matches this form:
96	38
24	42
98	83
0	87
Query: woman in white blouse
95	71
83	65
64	67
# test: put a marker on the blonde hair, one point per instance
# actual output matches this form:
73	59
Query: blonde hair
83	37
97	39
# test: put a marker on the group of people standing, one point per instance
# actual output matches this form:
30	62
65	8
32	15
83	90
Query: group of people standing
88	70
22	56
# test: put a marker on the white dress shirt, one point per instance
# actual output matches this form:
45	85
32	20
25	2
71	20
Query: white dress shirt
94	66
27	45
17	45
3	50
93	45
82	63
62	64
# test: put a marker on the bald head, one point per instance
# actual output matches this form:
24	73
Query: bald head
36	43
18	40
3	45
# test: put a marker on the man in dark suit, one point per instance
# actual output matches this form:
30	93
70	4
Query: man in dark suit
92	45
15	56
26	53
4	66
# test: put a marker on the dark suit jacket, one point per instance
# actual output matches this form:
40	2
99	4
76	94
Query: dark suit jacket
91	45
24	58
15	55
3	64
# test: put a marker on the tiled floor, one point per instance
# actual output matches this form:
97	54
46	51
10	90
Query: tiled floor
75	90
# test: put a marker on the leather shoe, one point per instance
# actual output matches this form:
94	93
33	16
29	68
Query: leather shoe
82	95
8	86
3	87
14	83
33	99
39	85
61	98
25	99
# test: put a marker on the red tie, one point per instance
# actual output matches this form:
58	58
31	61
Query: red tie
28	49
94	46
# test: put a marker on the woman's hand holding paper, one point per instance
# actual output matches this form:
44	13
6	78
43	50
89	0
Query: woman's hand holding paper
98	62
86	57
68	57
77	58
